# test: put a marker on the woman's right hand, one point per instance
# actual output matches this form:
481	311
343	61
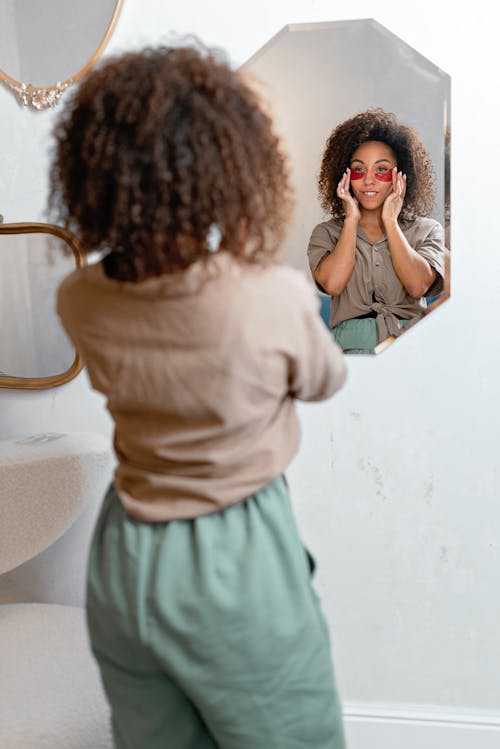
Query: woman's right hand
351	205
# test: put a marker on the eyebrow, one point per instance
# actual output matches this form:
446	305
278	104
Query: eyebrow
379	161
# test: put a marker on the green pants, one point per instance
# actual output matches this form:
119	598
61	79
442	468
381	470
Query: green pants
359	335
208	632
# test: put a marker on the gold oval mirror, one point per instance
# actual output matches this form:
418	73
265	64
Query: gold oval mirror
47	46
34	350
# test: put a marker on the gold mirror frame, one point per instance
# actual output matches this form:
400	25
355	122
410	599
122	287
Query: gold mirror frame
40	383
40	97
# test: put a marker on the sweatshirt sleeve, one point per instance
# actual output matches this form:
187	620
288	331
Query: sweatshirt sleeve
65	293
317	365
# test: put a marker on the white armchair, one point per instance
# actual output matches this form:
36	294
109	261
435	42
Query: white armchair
50	489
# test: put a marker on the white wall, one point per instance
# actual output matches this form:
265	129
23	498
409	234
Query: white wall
396	482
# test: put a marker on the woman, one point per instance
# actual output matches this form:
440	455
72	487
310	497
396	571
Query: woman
379	255
201	613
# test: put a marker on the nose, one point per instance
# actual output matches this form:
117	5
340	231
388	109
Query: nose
370	176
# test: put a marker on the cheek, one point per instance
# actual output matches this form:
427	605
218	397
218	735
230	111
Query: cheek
385	190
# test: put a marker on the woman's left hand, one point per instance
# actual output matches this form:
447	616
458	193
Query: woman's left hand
394	201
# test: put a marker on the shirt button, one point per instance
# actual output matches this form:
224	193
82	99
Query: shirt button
375	248
377	264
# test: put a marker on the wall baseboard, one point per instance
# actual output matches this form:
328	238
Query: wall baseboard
372	726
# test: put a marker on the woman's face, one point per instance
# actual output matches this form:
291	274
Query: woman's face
371	173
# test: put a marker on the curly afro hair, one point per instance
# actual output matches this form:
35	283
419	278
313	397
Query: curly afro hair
158	147
411	158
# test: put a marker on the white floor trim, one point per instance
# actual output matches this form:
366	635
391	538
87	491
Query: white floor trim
400	726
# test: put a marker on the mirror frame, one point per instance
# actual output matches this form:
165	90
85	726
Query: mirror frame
40	383
41	97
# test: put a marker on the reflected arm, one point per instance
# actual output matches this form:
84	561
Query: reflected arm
413	270
446	290
335	269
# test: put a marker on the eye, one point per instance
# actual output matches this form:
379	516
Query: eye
382	169
357	169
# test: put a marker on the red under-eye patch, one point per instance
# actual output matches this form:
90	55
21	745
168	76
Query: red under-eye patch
381	176
384	176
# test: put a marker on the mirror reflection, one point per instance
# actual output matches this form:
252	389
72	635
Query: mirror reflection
73	37
33	344
337	91
379	255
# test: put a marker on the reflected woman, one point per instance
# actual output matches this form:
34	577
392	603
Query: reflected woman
379	255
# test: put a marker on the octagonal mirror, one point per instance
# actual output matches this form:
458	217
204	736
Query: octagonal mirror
35	352
316	77
46	46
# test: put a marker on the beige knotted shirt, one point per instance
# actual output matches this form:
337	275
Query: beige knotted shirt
374	285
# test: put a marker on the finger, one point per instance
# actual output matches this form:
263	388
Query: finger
398	185
343	186
404	185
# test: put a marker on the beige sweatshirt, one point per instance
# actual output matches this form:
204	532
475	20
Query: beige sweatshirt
200	370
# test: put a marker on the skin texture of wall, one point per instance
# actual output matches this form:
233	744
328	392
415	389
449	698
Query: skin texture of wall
396	481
